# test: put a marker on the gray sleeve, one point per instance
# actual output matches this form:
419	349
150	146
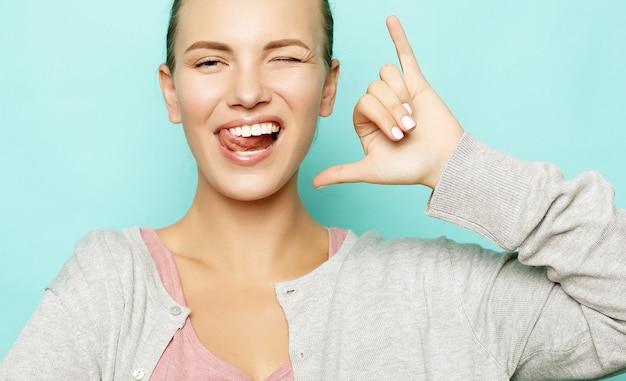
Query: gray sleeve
571	230
60	341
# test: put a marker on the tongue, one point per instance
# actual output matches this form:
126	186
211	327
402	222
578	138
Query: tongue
241	144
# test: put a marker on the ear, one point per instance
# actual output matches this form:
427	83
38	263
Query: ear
330	89
166	80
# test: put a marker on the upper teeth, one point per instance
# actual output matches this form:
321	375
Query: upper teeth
255	130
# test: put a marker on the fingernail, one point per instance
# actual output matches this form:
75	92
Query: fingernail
397	133
408	108
408	122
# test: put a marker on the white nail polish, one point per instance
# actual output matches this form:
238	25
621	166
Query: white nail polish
408	122
397	133
408	108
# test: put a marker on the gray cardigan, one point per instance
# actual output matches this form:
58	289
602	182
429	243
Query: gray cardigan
405	309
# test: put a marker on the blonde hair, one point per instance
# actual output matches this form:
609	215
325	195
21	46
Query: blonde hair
327	26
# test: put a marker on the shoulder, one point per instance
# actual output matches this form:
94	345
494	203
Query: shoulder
465	268
483	286
115	243
408	262
106	258
419	251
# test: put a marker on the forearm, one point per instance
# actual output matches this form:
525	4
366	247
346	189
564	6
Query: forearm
571	227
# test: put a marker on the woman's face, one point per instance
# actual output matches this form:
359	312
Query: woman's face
249	67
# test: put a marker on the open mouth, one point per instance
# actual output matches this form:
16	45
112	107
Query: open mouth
256	137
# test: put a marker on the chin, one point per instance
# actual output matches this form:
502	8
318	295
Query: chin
249	191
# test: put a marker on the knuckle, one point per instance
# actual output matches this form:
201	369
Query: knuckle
387	70
374	86
364	101
337	173
399	111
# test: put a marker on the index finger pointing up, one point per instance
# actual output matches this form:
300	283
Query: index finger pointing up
403	47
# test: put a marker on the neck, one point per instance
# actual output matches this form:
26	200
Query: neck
273	237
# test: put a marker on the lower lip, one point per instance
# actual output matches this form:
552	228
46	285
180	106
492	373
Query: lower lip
248	158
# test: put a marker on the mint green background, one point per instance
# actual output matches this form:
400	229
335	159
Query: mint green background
85	142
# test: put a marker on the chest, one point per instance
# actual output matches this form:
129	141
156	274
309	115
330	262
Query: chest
240	323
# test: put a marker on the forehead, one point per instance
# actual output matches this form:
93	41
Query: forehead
249	21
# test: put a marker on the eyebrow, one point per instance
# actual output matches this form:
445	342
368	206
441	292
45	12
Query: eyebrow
269	46
208	45
286	42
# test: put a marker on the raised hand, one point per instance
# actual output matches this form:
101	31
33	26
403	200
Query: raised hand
406	130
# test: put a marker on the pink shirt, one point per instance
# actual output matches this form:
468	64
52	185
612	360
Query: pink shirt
185	358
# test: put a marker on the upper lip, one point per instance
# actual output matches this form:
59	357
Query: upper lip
250	121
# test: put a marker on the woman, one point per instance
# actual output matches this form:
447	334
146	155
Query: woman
248	286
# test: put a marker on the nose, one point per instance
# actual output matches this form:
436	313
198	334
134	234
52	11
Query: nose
249	88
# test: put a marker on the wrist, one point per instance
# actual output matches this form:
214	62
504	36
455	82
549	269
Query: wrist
447	149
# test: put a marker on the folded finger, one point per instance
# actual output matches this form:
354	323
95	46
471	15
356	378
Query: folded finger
392	76
370	116
399	109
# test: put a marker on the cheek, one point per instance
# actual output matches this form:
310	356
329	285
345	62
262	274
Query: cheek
197	99
302	91
303	100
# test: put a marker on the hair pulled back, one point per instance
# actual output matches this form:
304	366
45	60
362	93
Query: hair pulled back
327	26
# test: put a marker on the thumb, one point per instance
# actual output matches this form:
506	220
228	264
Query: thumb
339	174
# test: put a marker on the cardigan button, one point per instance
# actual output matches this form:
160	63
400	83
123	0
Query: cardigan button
138	374
176	311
